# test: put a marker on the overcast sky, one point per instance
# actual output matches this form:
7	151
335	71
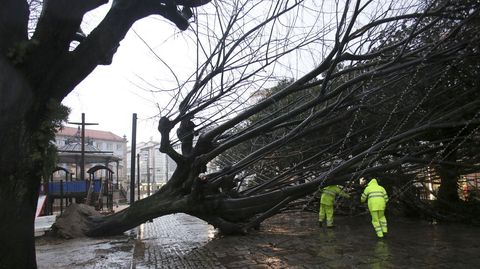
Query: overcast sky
110	95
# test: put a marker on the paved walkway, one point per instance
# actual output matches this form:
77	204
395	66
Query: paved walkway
294	241
286	241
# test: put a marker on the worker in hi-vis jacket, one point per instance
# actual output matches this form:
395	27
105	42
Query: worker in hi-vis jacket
326	203
377	200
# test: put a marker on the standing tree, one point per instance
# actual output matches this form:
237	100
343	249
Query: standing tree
378	92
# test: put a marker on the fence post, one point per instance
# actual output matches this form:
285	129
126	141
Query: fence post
61	197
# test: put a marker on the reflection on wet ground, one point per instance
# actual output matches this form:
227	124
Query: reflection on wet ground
287	241
294	241
110	252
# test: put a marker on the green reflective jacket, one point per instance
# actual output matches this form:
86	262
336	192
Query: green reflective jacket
376	195
329	193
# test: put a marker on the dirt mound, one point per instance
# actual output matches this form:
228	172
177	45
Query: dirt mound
74	221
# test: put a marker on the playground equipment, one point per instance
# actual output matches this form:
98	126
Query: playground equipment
40	205
96	192
76	153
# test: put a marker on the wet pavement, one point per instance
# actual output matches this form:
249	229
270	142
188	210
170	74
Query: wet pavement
110	252
290	240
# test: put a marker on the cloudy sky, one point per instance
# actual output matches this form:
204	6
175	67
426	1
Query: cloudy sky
111	94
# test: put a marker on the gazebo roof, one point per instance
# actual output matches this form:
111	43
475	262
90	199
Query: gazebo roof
77	146
68	157
71	153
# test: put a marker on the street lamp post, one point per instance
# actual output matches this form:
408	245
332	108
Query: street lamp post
148	172
138	176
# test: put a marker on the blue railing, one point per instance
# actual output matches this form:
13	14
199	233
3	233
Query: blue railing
79	186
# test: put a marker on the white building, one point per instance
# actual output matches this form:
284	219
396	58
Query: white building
154	166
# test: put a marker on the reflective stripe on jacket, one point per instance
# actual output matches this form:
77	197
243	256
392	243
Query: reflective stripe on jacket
376	195
329	193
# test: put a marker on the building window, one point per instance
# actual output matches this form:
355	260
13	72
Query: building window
119	146
109	146
99	145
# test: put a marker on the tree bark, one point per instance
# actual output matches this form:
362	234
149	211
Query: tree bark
448	172
13	23
229	214
448	190
27	127
19	182
159	204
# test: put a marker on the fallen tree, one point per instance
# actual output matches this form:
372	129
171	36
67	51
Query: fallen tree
373	106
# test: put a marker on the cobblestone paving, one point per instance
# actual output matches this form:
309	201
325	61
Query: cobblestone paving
174	241
294	241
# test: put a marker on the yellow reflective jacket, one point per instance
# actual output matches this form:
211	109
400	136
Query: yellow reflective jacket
376	195
329	193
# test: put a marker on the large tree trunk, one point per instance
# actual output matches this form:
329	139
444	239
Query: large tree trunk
18	197
448	190
229	214
27	124
19	182
161	203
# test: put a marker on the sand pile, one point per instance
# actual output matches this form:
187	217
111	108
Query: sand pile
74	221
